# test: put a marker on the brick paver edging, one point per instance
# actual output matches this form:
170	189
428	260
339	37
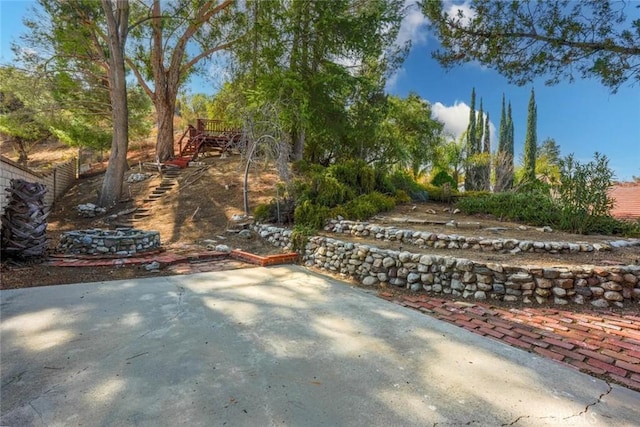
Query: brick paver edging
606	345
166	259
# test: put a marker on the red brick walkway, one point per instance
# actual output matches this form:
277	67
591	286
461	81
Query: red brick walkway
606	345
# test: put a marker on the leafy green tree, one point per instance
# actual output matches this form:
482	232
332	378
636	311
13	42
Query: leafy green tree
450	156
560	39
412	130
531	141
549	149
548	161
192	107
323	62
21	121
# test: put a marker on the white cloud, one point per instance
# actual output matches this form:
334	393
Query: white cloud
393	79
414	25
454	7
456	119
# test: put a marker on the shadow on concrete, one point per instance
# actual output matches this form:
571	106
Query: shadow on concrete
269	346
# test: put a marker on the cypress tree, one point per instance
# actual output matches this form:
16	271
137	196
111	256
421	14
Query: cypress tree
531	141
502	137
486	149
510	135
480	128
504	155
487	136
506	176
472	144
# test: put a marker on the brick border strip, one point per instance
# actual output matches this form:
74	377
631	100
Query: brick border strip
264	261
166	259
606	345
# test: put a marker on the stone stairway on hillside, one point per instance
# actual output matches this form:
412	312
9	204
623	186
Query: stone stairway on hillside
144	211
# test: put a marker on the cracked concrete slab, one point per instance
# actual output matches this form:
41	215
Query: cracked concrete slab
270	346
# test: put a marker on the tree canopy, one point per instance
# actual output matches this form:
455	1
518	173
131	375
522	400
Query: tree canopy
559	39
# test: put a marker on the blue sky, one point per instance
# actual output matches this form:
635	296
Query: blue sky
583	117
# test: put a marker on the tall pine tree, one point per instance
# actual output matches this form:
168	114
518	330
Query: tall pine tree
531	141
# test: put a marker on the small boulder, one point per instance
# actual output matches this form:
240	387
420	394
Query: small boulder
245	234
153	266
223	248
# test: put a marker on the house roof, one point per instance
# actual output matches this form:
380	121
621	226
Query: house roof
627	200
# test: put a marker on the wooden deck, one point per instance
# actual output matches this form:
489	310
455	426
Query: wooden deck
209	135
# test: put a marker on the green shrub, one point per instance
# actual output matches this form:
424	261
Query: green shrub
439	194
278	211
383	182
401	196
583	193
261	212
474	193
612	226
355	174
330	192
338	211
443	177
531	208
401	180
300	236
303	167
311	215
367	205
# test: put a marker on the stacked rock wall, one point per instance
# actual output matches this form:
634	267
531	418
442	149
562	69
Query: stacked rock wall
426	239
599	286
121	242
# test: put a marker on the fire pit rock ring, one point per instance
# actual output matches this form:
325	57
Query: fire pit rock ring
120	242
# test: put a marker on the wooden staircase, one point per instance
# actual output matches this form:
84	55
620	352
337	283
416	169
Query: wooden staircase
143	212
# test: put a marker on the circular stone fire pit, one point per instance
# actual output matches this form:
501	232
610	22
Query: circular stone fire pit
121	242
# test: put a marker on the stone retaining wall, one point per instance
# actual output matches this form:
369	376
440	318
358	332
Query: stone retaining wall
121	242
426	239
599	286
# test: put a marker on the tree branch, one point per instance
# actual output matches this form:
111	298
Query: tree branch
592	46
208	52
141	80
